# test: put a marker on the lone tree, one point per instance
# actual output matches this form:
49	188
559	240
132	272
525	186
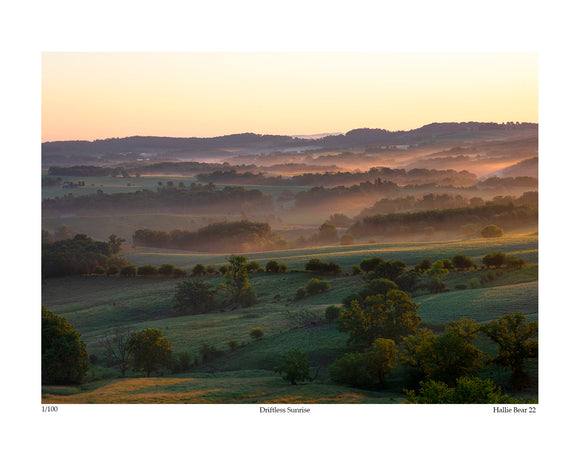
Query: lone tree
495	259
327	233
516	340
236	283
491	231
115	243
64	354
149	350
194	297
272	266
256	333
295	367
463	262
317	286
115	346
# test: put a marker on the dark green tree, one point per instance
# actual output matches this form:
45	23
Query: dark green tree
237	285
381	358
166	270
391	316
351	370
149	351
199	270
272	266
445	357
316	286
254	266
423	266
463	262
331	313
295	367
389	270
256	333
469	390
516	340
128	271
64	354
300	293
370	264
194	297
315	265
368	368
513	262
495	259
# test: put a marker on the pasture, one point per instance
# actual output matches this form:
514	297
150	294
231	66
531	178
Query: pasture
523	246
96	305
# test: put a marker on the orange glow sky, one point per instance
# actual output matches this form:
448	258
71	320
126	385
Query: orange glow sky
89	96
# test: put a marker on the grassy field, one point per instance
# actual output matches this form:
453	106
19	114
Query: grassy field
95	305
523	246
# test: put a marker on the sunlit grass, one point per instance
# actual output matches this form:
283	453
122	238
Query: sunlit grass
481	304
265	389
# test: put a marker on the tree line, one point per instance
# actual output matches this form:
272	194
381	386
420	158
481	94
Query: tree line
174	198
80	255
507	216
397	176
238	236
439	201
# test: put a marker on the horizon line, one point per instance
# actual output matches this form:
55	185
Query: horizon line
293	136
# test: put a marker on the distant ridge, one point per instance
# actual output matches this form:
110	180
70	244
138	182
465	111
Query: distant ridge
249	143
361	133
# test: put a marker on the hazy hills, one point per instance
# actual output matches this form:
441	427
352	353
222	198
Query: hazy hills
527	167
220	148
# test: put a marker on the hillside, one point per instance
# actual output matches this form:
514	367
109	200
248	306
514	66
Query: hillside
152	148
97	305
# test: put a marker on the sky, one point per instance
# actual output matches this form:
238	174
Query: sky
99	95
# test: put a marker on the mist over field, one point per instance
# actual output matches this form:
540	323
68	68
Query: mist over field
266	234
293	184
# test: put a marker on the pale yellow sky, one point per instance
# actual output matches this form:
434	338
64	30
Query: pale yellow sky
91	96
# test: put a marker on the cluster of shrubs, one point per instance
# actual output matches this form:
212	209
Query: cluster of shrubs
209	352
165	270
427	274
321	267
313	287
199	270
79	254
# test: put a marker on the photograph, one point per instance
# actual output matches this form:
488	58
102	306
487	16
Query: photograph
286	228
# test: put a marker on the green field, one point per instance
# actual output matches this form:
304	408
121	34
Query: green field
525	247
95	305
